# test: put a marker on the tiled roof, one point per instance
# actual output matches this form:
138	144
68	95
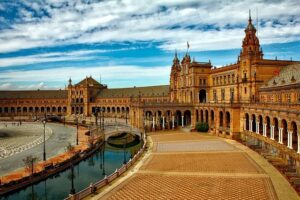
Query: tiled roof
151	91
289	75
89	81
27	94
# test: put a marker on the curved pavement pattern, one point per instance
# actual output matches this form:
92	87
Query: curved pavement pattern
15	139
28	140
194	166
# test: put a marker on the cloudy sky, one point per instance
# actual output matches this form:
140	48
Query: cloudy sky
132	42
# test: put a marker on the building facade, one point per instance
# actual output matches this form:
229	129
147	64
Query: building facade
254	94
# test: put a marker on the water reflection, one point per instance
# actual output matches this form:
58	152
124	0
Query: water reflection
104	162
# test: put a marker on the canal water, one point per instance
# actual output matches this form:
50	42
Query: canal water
104	162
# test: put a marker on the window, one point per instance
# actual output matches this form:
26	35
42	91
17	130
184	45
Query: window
245	90
215	95
204	81
200	82
223	94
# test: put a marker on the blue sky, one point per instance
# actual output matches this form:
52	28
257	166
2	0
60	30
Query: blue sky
132	43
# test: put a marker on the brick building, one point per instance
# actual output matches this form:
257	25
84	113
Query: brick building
254	94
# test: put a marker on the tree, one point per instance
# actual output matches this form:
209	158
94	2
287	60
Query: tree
70	148
202	127
29	163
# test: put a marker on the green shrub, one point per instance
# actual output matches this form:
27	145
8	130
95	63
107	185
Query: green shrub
202	127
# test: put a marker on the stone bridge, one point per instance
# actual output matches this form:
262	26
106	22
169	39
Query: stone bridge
113	129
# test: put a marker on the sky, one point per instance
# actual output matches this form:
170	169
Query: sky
126	43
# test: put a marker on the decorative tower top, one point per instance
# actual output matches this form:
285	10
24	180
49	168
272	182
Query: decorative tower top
176	65
251	47
175	60
70	82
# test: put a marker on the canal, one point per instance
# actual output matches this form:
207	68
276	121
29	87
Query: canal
104	162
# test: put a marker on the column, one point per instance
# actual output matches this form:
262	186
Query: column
257	127
265	130
298	135
272	132
182	121
173	122
290	139
163	122
153	122
250	125
280	135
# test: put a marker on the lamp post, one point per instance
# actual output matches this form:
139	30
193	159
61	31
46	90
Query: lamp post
126	115
103	119
76	118
124	147
44	152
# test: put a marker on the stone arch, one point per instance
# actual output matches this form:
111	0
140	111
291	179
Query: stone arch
221	118
113	109
118	109
260	124
212	118
268	126
108	109
187	117
178	118
53	109
253	123
201	115
227	120
247	121
206	116
294	135
202	96
24	109
276	129
284	126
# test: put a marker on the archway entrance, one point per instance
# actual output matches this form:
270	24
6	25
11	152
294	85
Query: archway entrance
187	118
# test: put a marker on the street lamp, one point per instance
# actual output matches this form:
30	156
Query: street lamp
44	153
124	147
76	130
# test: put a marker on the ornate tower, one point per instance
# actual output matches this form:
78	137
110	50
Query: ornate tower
251	48
251	53
173	77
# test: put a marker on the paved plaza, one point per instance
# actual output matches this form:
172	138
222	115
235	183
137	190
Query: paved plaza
28	140
197	166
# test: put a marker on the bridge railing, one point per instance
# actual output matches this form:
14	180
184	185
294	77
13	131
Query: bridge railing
108	179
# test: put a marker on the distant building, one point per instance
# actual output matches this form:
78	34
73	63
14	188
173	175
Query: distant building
254	94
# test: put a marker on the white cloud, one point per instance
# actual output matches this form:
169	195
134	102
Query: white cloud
12	86
129	74
126	20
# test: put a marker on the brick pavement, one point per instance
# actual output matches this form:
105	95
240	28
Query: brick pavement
191	166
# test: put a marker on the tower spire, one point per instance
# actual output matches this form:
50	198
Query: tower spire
250	20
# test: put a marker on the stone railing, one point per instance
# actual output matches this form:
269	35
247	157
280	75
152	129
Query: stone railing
274	143
107	179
